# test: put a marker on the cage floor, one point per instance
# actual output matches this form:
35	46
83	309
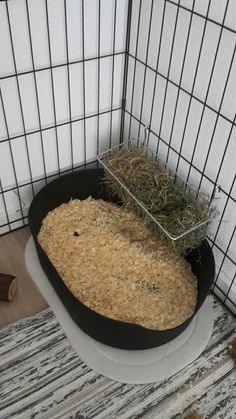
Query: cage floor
136	367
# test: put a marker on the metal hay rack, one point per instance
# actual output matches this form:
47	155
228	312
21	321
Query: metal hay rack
173	176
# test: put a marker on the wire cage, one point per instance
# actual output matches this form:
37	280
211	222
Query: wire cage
79	77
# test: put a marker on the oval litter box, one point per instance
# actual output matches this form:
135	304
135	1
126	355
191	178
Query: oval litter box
80	185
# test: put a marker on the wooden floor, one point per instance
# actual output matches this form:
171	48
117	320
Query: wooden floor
28	299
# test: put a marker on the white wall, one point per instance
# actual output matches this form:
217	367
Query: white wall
35	155
217	134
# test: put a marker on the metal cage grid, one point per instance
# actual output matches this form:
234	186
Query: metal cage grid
177	76
16	75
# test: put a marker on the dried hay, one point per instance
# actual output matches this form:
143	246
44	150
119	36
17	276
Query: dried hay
169	203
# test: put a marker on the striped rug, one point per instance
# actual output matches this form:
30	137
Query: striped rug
41	376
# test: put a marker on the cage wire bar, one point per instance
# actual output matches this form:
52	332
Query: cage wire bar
146	62
122	65
56	123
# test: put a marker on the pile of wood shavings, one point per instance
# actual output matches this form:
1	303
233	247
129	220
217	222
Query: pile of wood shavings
106	257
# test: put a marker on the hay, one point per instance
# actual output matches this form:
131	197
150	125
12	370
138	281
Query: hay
107	258
175	209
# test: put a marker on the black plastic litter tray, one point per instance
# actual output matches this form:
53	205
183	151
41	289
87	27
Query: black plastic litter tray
82	184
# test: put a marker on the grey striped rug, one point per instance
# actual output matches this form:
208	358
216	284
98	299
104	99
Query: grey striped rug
41	376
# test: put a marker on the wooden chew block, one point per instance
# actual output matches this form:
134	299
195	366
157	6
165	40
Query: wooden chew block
8	287
193	415
232	349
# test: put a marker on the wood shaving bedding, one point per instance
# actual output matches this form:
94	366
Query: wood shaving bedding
105	256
